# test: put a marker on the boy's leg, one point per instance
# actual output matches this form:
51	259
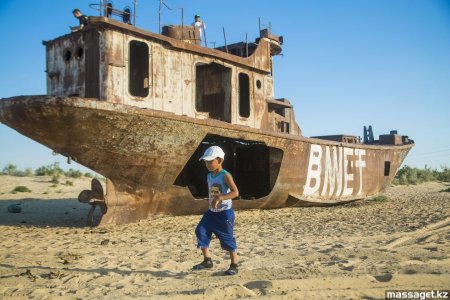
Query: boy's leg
203	235
234	257
233	270
206	253
203	240
225	232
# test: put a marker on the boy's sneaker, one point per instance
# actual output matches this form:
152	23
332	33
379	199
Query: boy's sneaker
233	270
205	264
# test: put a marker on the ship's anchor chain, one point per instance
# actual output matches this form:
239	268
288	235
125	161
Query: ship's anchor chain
94	197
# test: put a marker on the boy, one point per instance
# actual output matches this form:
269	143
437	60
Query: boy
219	219
81	18
199	25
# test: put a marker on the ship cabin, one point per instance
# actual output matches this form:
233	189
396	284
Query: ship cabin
116	62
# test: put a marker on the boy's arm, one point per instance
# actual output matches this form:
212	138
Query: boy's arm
234	192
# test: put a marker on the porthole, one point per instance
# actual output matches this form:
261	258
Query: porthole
258	84
67	55
79	53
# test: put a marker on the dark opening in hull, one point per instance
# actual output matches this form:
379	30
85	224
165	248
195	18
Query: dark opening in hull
254	166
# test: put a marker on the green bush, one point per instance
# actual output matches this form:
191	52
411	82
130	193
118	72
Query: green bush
12	170
444	175
9	169
21	189
73	173
55	178
380	198
409	175
68	182
49	170
28	172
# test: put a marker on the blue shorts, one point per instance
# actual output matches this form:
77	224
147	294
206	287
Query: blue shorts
219	223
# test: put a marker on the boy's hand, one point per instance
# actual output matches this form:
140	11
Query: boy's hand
216	201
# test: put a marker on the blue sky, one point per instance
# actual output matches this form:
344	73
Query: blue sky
346	63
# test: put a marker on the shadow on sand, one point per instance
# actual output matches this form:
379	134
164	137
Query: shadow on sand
102	271
45	213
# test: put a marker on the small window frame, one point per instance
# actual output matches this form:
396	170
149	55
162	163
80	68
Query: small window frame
244	95
138	68
387	168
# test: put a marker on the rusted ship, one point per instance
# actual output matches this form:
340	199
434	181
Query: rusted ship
140	108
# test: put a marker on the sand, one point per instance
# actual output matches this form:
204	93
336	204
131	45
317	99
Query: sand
354	251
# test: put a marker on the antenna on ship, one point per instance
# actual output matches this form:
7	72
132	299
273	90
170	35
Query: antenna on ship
264	27
225	39
246	44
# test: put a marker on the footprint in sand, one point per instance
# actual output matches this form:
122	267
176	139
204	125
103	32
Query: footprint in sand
383	277
348	268
261	287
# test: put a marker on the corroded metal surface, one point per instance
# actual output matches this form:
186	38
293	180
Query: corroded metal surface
98	67
142	152
140	108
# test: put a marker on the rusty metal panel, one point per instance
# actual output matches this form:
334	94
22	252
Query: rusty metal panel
66	66
171	72
173	85
103	67
266	119
188	83
185	33
158	76
115	48
114	64
117	66
259	99
390	139
143	151
259	60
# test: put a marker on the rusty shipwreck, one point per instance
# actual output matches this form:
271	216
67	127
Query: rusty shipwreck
140	108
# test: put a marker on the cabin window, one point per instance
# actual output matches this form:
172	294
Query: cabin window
387	168
244	95
213	91
258	84
138	69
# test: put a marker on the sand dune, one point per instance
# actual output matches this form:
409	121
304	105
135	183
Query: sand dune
353	251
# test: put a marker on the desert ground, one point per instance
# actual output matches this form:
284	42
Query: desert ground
356	251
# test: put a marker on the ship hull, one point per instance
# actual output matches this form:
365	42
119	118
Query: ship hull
150	158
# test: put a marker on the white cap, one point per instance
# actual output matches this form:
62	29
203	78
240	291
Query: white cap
213	152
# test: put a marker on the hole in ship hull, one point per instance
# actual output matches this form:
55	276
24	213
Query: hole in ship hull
254	167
